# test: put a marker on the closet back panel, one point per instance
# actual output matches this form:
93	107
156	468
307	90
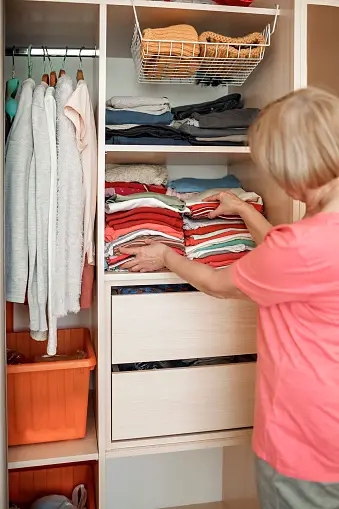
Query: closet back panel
165	480
322	47
177	94
52	24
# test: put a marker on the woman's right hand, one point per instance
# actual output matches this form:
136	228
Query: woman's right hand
230	204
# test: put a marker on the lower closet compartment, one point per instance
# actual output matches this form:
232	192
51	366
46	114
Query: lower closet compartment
185	400
180	325
29	485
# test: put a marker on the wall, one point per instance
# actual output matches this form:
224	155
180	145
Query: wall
165	480
322	47
177	94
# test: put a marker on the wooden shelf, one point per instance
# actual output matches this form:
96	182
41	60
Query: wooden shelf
152	278
176	443
54	453
175	155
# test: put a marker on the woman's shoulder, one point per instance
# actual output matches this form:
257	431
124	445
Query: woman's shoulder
316	231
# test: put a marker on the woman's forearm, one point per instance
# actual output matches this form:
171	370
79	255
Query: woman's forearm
204	278
257	224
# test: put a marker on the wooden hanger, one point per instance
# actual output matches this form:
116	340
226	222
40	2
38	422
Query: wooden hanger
45	76
52	76
80	74
62	71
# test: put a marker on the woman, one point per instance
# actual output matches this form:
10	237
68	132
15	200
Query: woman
293	276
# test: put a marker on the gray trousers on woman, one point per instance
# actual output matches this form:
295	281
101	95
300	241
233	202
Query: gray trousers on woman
277	491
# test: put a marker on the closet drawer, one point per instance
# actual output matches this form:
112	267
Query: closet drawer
180	326
186	400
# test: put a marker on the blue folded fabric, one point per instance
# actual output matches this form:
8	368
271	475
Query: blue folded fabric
119	117
124	140
192	185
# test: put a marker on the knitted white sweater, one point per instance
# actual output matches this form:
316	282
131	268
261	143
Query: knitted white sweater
70	211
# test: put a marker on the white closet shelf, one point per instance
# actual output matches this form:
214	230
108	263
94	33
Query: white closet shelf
208	505
234	504
196	6
154	154
55	453
223	19
151	278
188	5
176	443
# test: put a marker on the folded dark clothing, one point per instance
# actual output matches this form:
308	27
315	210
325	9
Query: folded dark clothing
122	140
227	119
148	131
135	117
159	135
227	102
216	143
198	132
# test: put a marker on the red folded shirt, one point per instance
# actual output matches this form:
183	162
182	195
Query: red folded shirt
202	210
145	218
126	188
147	210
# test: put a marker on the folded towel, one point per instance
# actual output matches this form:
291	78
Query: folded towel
150	174
155	105
231	47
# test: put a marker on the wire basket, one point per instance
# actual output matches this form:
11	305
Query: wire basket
194	62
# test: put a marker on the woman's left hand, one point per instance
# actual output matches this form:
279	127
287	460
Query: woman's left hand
149	258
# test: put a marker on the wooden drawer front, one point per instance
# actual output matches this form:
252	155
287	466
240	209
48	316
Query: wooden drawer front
180	326
177	401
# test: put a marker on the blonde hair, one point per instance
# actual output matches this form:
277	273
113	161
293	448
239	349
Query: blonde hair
296	140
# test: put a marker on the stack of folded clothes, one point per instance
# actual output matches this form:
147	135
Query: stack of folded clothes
137	210
221	122
137	120
215	242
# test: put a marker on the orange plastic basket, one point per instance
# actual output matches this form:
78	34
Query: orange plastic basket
48	401
28	485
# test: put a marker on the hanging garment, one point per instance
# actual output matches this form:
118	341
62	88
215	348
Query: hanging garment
19	151
50	108
80	112
70	216
38	216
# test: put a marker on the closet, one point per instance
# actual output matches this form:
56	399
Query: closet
169	437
